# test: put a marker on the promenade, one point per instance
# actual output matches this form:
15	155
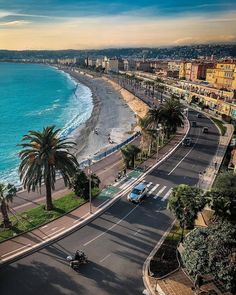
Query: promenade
25	243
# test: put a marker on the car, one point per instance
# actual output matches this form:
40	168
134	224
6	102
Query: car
199	115
194	124
138	193
205	130
187	141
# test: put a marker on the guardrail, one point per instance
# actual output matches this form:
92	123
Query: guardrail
108	152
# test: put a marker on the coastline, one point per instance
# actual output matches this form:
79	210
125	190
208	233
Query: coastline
111	117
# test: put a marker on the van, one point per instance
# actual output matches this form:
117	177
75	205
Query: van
204	130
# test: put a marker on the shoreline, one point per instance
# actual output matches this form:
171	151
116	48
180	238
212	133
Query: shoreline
111	116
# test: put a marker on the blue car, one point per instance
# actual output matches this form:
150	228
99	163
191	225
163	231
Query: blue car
138	193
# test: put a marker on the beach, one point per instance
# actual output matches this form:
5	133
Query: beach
112	120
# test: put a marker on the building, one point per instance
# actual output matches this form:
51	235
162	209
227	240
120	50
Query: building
193	71
112	65
223	76
130	65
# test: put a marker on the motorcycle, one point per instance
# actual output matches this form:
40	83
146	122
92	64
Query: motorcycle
79	258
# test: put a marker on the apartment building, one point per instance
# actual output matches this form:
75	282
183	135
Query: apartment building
223	76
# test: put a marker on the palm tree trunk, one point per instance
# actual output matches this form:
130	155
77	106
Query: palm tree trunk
49	205
6	220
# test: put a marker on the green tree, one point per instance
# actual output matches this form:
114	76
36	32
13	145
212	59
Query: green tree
171	114
195	255
130	153
222	198
185	203
222	253
43	155
7	193
80	183
212	251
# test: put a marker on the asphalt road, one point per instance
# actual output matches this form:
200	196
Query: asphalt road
118	242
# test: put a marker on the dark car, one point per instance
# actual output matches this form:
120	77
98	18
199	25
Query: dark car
205	130
187	141
194	124
199	115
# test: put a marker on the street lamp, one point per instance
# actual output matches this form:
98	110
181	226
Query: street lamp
90	186
158	131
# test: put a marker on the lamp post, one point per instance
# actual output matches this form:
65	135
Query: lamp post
90	186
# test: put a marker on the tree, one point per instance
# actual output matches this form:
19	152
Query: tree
185	203
195	254
148	135
171	114
129	153
43	155
222	199
7	193
212	251
80	183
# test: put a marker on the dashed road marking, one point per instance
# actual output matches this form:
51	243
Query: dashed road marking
105	258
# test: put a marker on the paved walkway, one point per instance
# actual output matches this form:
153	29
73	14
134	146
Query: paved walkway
18	246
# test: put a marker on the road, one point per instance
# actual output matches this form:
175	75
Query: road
118	242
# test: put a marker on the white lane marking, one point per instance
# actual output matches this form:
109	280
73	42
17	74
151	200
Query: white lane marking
81	218
138	231
160	191
48	235
166	195
118	222
52	229
44	226
153	189
105	258
150	183
185	155
16	250
127	182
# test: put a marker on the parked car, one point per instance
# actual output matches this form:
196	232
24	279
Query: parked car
138	193
194	124
187	141
205	130
199	115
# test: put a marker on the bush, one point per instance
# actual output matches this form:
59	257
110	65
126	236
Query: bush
80	184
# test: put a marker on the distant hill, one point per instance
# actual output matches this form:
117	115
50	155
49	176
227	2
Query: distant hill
194	51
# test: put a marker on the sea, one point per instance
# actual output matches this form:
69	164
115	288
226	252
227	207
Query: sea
33	96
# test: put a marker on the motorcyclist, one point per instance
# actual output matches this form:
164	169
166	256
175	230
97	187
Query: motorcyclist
79	255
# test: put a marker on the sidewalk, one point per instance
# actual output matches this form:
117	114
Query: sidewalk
25	243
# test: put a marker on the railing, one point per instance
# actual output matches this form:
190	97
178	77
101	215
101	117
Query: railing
108	152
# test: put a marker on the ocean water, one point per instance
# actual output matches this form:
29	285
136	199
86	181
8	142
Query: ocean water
33	96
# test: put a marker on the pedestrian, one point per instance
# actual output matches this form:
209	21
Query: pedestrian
124	171
215	165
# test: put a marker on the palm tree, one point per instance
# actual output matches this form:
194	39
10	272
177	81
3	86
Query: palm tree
43	155
149	134
171	114
7	193
130	153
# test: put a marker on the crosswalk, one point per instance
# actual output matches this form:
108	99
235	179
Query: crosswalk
158	191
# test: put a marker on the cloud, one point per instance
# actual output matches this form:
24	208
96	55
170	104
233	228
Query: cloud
121	31
15	23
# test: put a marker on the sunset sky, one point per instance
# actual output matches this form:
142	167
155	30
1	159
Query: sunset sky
81	24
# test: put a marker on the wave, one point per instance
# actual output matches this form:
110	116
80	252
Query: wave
44	111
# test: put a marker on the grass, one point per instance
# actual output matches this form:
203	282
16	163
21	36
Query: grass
220	124
37	216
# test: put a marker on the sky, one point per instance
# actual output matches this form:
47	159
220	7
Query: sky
86	24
